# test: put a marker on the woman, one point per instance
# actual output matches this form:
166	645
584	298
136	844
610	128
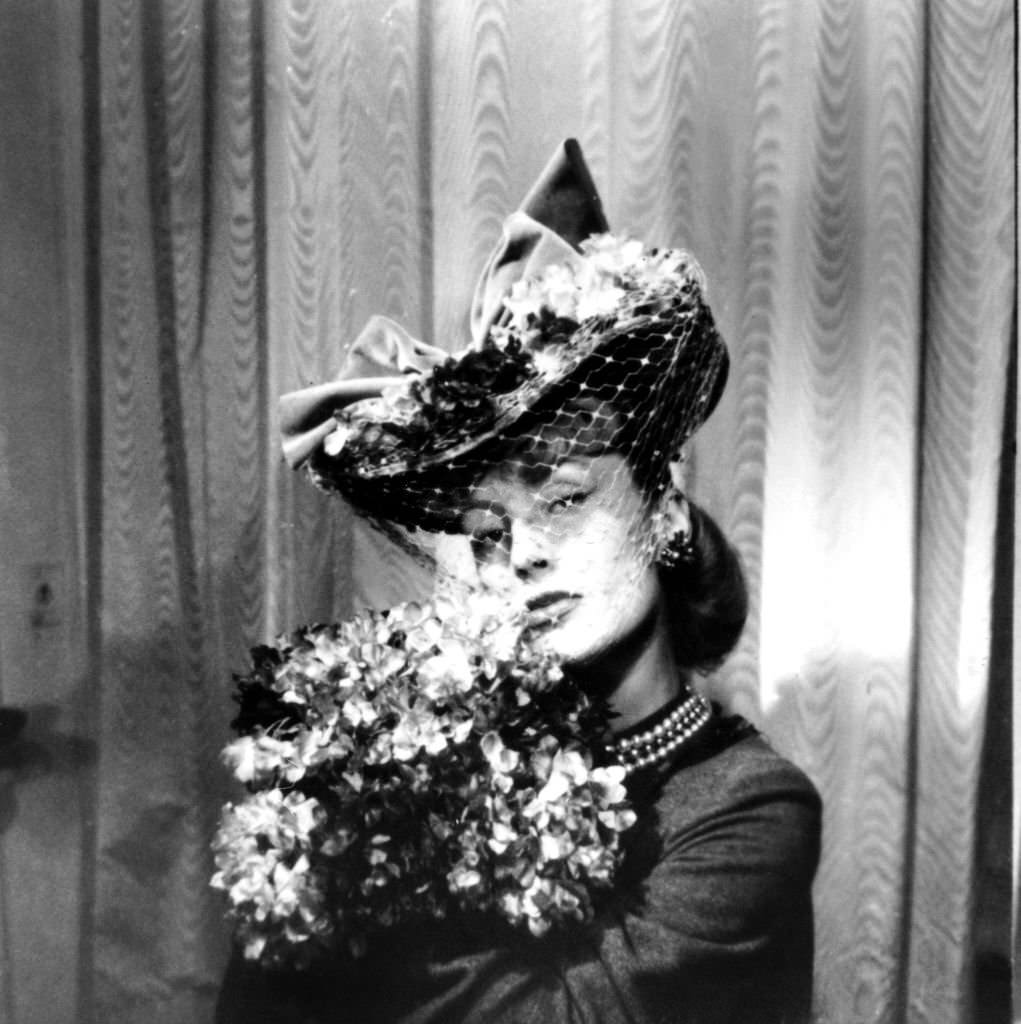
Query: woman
554	445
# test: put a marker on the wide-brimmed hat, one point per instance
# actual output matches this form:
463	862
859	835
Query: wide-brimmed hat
562	308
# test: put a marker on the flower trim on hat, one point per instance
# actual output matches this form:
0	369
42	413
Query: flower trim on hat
551	321
451	403
615	278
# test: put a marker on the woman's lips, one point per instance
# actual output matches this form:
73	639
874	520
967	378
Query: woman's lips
549	608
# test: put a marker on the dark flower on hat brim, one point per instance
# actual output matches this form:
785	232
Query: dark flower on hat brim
427	418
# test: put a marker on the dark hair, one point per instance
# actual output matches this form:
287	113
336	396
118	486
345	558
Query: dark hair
707	598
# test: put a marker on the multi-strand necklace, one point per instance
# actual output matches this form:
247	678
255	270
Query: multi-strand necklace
675	724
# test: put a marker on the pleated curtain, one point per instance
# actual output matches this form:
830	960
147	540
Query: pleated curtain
267	175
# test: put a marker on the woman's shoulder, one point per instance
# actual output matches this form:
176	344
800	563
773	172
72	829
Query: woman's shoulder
726	851
733	753
735	775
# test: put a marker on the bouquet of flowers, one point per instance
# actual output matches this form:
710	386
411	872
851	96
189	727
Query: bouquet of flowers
406	763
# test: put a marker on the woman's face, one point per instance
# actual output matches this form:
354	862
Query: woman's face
562	542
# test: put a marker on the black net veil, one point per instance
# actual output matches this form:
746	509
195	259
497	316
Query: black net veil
540	460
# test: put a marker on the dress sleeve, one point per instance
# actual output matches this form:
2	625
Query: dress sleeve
719	931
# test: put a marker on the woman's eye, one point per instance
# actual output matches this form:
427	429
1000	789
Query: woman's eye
562	502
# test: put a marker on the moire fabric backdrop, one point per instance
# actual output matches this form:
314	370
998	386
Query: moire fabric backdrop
265	176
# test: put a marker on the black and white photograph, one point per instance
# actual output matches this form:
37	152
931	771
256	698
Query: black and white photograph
507	512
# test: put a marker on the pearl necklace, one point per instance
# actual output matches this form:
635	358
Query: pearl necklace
660	741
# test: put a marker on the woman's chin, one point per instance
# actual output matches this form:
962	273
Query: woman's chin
566	641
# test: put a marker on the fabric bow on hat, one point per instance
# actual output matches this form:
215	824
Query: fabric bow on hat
562	209
383	355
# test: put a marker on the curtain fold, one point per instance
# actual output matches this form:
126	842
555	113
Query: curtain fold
275	173
969	300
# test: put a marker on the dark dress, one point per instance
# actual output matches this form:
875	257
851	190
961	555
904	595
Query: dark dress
710	922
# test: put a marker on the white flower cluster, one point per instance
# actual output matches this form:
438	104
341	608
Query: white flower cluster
263	864
407	761
545	834
613	277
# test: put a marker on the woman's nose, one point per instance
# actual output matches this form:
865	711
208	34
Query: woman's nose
529	550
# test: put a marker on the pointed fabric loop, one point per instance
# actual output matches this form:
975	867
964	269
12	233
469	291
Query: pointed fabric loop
561	210
384	354
564	197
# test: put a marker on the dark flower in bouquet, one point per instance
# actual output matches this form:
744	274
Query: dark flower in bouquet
404	764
